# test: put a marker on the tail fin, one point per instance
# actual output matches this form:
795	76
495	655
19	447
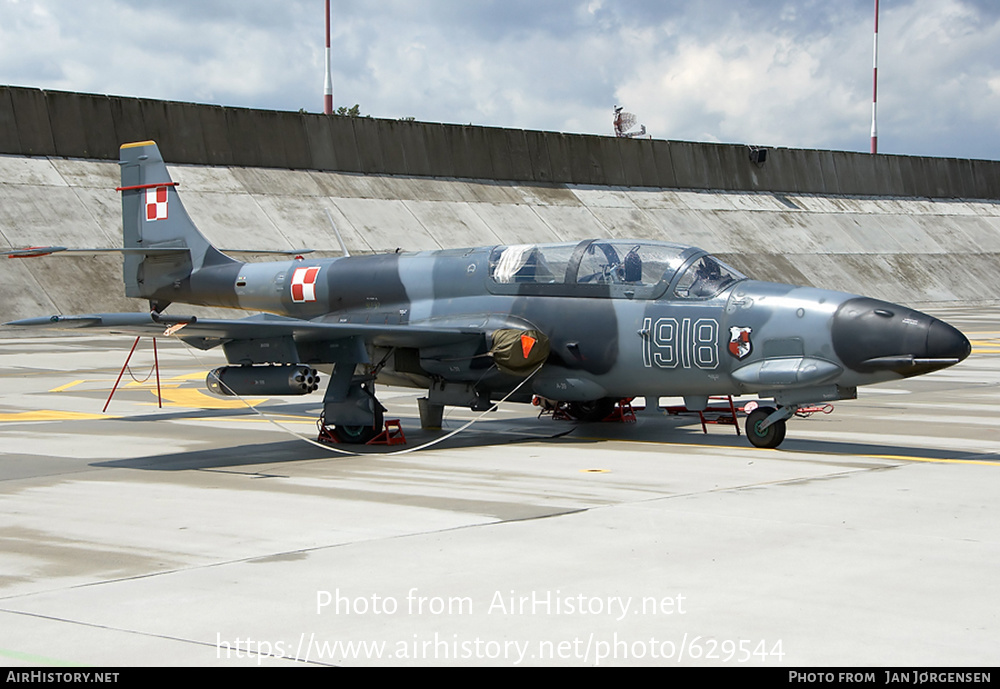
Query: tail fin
154	222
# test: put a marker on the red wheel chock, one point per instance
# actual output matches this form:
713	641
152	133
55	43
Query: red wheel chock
392	435
623	411
327	434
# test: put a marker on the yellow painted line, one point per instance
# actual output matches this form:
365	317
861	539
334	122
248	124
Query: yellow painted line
197	399
309	421
191	376
903	458
67	386
907	458
33	659
51	415
150	385
131	384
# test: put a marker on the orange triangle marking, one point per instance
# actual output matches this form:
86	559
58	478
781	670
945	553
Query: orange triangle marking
527	342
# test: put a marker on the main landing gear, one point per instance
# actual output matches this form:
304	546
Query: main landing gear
351	410
359	434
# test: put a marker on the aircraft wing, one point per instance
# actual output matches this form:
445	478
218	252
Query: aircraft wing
205	333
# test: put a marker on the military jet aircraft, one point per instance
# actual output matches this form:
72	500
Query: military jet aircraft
583	324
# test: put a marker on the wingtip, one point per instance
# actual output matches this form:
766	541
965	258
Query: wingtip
58	322
34	251
36	321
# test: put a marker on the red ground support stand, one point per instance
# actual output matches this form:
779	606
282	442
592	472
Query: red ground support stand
156	365
724	415
392	435
623	411
326	434
557	410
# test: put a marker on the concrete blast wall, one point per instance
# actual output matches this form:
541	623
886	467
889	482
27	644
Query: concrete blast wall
71	125
262	180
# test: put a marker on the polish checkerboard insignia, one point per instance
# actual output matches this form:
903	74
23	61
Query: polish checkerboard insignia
156	203
304	285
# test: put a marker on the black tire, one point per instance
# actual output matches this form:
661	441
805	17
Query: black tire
356	435
770	437
594	410
359	435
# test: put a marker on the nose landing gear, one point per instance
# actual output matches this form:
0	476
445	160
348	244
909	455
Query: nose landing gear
763	430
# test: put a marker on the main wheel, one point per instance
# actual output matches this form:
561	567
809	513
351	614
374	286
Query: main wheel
356	435
594	410
769	437
359	435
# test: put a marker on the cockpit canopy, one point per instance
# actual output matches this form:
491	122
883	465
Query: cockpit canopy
705	278
609	268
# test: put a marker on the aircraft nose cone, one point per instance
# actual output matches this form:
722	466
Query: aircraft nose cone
871	335
946	342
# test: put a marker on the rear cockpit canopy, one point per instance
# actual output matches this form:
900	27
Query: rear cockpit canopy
608	268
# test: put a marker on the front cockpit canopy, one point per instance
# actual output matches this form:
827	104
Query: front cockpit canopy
705	278
608	268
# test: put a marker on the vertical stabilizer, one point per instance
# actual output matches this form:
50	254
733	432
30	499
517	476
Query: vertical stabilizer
154	220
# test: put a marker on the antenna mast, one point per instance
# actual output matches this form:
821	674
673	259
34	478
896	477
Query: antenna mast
875	86
328	92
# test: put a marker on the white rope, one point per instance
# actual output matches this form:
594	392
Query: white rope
350	453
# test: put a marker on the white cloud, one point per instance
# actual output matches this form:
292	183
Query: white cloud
772	72
745	87
768	86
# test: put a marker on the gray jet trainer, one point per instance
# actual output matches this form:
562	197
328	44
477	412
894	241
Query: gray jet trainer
580	325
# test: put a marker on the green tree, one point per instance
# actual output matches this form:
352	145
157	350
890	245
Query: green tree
354	111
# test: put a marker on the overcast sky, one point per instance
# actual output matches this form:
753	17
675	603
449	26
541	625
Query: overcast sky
791	73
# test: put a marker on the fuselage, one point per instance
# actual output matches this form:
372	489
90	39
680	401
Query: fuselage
623	318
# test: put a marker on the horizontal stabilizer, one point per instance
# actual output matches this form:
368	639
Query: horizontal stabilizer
278	252
36	251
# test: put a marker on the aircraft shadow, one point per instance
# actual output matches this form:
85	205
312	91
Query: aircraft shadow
499	432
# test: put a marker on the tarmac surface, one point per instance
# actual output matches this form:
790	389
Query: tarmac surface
209	533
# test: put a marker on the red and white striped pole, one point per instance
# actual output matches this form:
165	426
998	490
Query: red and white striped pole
328	92
875	86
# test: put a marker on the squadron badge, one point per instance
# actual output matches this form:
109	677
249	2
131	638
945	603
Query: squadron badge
739	342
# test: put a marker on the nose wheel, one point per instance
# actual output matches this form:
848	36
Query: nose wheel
764	436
